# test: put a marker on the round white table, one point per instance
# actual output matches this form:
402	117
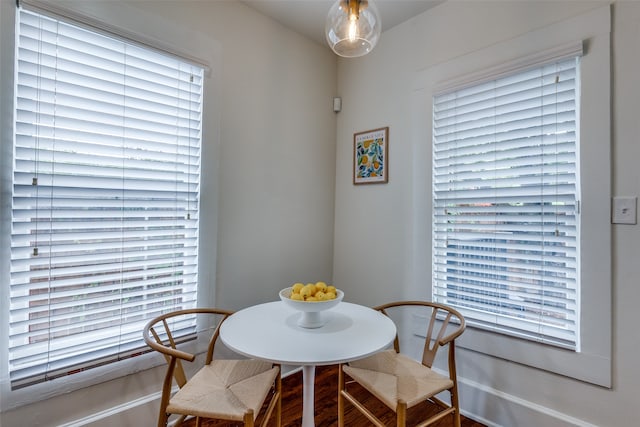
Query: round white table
270	332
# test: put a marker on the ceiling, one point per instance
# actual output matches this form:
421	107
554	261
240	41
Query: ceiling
307	17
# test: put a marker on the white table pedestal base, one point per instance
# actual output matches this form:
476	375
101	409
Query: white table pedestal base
308	395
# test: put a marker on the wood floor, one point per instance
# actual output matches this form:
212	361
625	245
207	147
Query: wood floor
326	405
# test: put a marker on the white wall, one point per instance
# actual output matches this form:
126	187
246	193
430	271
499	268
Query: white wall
379	241
268	171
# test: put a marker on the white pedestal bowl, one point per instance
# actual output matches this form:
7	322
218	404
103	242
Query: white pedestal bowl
311	310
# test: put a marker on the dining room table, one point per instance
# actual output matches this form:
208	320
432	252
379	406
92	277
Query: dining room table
272	331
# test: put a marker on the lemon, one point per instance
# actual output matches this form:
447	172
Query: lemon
307	291
321	286
331	288
330	295
296	287
321	296
311	298
297	297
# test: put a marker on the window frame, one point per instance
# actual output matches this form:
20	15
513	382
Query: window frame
592	364
10	399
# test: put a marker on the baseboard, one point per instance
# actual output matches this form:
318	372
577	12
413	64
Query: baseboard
138	410
496	408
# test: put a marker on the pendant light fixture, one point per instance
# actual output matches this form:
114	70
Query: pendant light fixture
353	27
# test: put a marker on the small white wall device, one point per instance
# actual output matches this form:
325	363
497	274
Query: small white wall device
337	104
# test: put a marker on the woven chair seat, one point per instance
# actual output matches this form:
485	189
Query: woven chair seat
225	389
400	382
393	377
235	390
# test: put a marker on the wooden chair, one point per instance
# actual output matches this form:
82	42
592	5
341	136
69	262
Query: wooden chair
399	381
233	390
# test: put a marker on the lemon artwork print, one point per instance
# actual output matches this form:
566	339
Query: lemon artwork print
370	159
370	156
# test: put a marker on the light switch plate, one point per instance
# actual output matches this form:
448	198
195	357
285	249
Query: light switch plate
624	210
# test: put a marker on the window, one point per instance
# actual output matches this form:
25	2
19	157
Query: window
105	196
506	202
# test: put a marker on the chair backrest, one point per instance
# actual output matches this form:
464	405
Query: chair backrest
444	324
166	331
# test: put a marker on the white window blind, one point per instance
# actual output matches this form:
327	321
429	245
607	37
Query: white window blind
505	202
105	196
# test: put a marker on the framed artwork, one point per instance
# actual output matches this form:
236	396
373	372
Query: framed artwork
371	156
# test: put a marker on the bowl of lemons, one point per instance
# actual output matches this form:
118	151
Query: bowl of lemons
311	300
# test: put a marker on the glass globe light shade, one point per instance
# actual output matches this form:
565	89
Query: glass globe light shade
353	27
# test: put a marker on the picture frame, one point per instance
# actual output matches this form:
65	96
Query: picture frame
371	156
